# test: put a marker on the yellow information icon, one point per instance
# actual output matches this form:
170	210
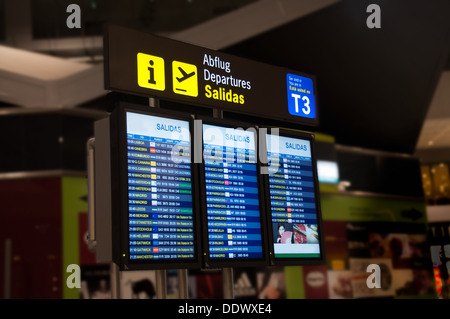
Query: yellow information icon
184	78
150	70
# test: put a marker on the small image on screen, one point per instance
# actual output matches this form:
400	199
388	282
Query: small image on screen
160	210
232	197
292	198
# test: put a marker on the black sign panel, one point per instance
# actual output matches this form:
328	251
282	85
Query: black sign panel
148	65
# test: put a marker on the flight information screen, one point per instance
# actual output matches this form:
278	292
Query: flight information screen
160	209
232	197
293	208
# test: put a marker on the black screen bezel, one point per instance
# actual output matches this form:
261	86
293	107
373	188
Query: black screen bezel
294	261
119	180
232	262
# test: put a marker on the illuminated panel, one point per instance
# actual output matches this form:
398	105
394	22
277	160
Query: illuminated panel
160	210
232	197
328	172
294	215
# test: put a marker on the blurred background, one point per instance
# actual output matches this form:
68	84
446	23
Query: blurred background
383	142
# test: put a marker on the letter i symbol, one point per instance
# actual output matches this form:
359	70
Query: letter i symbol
152	73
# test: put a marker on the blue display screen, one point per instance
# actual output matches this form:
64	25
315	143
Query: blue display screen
232	197
160	210
292	198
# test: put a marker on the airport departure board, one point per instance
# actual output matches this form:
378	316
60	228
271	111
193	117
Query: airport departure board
294	208
234	224
160	199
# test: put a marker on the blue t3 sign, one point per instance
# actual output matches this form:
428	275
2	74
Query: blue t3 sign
300	93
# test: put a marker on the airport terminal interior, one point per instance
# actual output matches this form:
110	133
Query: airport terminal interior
381	144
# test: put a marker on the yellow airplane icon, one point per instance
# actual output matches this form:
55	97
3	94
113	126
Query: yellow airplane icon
185	78
185	75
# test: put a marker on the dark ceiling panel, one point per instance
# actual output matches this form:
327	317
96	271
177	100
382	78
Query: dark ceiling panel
49	16
2	21
374	85
447	66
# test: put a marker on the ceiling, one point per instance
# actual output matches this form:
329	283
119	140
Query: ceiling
384	89
433	144
375	85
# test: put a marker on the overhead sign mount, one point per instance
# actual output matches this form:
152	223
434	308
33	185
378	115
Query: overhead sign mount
145	64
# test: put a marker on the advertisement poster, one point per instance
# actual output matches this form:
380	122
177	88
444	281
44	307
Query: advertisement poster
271	284
360	275
173	288
340	284
138	284
245	285
405	250
336	244
95	282
414	282
74	227
209	284
316	282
